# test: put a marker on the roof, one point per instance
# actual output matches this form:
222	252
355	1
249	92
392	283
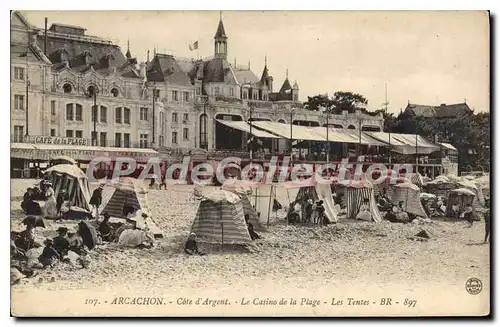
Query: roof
265	76
164	68
448	146
218	70
245	76
442	111
245	127
420	110
220	30
104	57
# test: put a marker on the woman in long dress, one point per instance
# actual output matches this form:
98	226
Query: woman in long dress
50	208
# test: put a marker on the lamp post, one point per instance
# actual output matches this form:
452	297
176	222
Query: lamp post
153	121
291	132
204	141
327	138
251	135
93	93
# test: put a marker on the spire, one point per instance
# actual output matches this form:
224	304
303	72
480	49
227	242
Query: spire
221	33
286	74
295	85
249	65
234	62
147	58
265	73
128	55
265	62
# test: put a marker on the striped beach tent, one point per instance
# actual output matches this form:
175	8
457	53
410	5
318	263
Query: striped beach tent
316	191
460	196
73	180
409	193
415	178
239	188
128	192
220	219
355	192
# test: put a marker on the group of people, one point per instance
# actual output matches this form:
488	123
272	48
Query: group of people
308	211
54	208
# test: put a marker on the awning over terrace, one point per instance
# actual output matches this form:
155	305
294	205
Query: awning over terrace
245	127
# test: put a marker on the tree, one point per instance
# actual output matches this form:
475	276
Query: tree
335	105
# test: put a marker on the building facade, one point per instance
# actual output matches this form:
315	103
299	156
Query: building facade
84	89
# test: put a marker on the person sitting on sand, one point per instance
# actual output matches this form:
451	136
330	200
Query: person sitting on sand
455	210
61	243
401	215
383	202
191	246
251	231
105	229
469	215
130	223
25	240
364	211
76	243
49	256
29	206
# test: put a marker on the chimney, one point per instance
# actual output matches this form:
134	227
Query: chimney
45	38
147	60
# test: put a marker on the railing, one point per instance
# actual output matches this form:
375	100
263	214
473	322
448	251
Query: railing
79	141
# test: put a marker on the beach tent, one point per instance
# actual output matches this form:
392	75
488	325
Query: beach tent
409	193
460	196
242	190
440	186
315	191
415	178
128	192
483	183
355	192
73	180
220	219
479	198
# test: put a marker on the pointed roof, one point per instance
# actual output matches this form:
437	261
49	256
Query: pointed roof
286	86
128	54
265	75
220	30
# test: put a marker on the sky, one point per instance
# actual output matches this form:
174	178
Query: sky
423	57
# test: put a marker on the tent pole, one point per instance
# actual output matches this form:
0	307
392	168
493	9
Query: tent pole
269	207
222	229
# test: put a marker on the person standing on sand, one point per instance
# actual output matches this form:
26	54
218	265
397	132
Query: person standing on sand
96	200
487	222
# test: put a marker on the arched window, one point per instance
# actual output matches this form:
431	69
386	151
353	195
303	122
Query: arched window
351	127
203	132
115	92
67	88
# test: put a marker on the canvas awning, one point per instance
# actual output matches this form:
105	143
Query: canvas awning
405	143
78	152
345	136
245	127
448	146
283	130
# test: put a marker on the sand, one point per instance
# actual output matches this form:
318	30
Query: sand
349	254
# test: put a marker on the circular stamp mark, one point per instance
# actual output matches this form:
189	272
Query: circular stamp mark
474	286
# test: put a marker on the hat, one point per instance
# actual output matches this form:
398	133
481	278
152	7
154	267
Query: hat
29	189
192	234
48	241
62	230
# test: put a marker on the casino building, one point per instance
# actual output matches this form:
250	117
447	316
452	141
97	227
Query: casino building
75	90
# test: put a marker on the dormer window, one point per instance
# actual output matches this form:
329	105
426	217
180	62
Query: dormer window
91	91
67	88
114	92
86	55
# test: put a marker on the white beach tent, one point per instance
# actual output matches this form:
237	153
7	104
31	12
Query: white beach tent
409	193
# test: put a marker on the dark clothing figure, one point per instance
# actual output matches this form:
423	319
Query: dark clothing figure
49	256
487	226
25	240
308	211
252	232
61	245
469	216
276	205
61	197
30	207
191	247
383	203
106	231
96	198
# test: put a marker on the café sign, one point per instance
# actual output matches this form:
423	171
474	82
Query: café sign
56	140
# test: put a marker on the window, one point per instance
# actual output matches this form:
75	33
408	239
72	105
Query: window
143	140
52	132
94	113
144	113
160	140
162	121
126	116
103	138
126	140
156	94
245	94
94	138
19	73
216	90
67	88
69	111
185	117
118	140
69	133
187	97
118	115
174	137
18	133
53	107
104	114
185	134
79	134
174	96
203	131
78	112
114	92
174	117
19	102
231	92
198	90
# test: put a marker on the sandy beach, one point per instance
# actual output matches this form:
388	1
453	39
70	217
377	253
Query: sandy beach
349	258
